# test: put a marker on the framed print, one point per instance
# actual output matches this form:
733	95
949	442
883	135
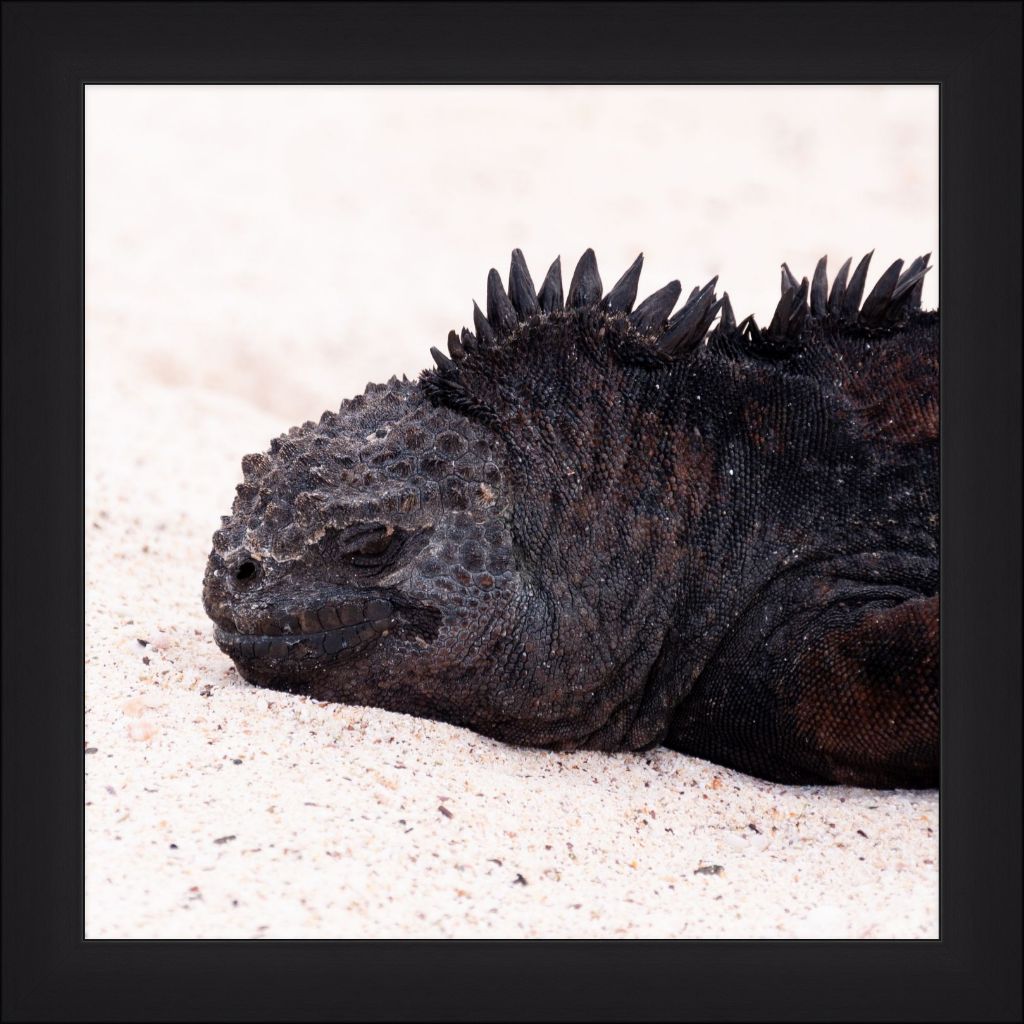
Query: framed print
586	636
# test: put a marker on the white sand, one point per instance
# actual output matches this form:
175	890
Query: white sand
242	253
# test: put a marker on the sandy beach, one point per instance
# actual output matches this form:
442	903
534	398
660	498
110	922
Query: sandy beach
254	255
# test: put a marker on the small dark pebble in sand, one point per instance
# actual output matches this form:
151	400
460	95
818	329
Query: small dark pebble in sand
236	760
145	659
224	839
174	846
709	869
495	860
143	643
754	828
91	750
519	880
444	810
206	691
861	832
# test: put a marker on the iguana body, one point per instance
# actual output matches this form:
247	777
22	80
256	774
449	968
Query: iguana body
594	526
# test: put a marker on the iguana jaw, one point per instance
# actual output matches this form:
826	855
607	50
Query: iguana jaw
269	639
352	626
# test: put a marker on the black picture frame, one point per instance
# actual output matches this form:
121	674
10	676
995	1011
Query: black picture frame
50	50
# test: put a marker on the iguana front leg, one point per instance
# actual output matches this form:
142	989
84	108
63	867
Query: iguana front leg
846	691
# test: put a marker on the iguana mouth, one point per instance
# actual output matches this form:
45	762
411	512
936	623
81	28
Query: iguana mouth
346	626
329	630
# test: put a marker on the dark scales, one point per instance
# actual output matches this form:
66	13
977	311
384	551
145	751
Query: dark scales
609	524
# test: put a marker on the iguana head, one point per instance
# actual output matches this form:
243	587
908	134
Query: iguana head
365	554
498	544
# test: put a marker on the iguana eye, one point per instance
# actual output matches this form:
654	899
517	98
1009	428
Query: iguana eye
376	544
373	545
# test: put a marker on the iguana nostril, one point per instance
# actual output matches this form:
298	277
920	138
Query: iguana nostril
246	571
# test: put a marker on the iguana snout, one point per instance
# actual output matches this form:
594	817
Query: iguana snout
281	626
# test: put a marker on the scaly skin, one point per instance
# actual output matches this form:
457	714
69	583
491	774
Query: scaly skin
605	528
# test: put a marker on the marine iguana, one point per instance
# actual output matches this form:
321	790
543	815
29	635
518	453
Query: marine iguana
594	525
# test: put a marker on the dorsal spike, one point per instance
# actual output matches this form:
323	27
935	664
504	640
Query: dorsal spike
915	267
585	287
652	313
685	332
520	287
908	290
838	294
550	295
443	362
500	311
623	294
484	331
728	320
876	305
780	318
469	341
819	289
710	286
799	311
788	280
753	332
696	296
851	304
455	349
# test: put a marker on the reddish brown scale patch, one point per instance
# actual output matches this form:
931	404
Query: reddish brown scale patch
693	474
855	687
763	430
896	395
